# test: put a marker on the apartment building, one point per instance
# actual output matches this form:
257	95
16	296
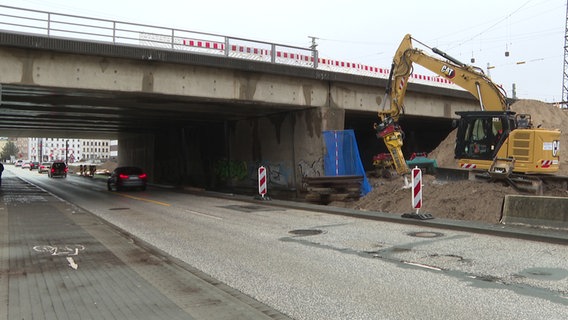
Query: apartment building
72	150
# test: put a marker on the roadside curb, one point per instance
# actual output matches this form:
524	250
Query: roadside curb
518	231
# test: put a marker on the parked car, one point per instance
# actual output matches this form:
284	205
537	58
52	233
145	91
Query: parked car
34	165
127	177
58	169
44	167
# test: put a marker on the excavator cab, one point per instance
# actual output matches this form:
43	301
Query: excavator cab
482	133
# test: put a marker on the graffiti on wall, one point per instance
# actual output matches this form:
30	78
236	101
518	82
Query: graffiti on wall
226	170
278	173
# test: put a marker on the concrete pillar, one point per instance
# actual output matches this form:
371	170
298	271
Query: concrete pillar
309	147
289	145
137	150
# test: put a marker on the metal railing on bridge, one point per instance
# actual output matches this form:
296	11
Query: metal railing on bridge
20	20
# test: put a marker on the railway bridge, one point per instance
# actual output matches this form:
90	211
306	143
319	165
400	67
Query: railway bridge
196	108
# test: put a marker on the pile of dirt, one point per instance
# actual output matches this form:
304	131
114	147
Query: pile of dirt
462	200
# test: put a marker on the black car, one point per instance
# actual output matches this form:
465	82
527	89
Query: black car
58	169
127	177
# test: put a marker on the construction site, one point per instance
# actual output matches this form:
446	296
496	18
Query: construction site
475	200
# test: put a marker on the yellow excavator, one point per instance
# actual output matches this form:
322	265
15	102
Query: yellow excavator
494	138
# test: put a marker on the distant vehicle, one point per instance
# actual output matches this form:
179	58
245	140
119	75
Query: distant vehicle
44	167
58	169
103	172
34	165
18	163
127	177
26	164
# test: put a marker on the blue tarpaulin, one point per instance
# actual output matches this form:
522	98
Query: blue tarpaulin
343	158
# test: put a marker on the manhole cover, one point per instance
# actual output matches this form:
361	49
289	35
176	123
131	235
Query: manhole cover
306	232
119	208
425	234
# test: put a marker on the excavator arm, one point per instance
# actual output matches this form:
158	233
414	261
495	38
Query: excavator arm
472	79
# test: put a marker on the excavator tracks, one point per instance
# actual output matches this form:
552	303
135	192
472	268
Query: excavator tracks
537	184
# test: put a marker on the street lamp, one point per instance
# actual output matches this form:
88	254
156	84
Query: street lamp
66	150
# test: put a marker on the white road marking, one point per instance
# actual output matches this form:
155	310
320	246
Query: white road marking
204	214
422	266
72	263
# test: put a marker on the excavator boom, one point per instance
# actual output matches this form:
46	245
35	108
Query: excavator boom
490	96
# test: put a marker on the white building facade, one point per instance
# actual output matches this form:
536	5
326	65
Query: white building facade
70	150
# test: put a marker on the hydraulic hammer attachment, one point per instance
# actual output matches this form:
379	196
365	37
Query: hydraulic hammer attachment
393	137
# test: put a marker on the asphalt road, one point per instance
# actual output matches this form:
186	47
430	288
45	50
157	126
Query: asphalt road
313	265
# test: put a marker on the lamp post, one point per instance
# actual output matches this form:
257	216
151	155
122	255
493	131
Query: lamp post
66	151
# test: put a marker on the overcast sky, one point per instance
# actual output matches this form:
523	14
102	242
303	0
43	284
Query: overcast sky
369	31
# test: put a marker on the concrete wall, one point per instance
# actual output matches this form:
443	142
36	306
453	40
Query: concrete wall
137	150
536	210
56	69
289	145
430	106
187	155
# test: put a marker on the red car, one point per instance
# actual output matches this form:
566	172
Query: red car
34	165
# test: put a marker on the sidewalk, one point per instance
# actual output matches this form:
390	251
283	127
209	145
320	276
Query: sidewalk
60	262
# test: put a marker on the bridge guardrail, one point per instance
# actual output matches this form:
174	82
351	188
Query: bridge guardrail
14	19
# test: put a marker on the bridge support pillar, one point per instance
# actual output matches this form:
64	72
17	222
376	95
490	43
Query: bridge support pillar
137	150
289	145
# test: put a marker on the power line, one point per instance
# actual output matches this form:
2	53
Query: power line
492	26
565	71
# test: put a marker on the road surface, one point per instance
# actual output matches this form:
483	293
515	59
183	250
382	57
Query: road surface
313	265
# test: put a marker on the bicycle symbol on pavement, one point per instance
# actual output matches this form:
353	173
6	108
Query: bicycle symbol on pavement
67	250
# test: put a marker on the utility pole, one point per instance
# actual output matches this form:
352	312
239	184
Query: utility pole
314	44
313	47
565	78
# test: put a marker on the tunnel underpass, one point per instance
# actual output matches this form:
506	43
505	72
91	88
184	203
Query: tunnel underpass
422	134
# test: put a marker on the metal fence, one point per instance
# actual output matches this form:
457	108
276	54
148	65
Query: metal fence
118	32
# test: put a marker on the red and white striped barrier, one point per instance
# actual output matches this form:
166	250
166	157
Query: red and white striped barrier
416	189
282	57
323	63
204	44
262	181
